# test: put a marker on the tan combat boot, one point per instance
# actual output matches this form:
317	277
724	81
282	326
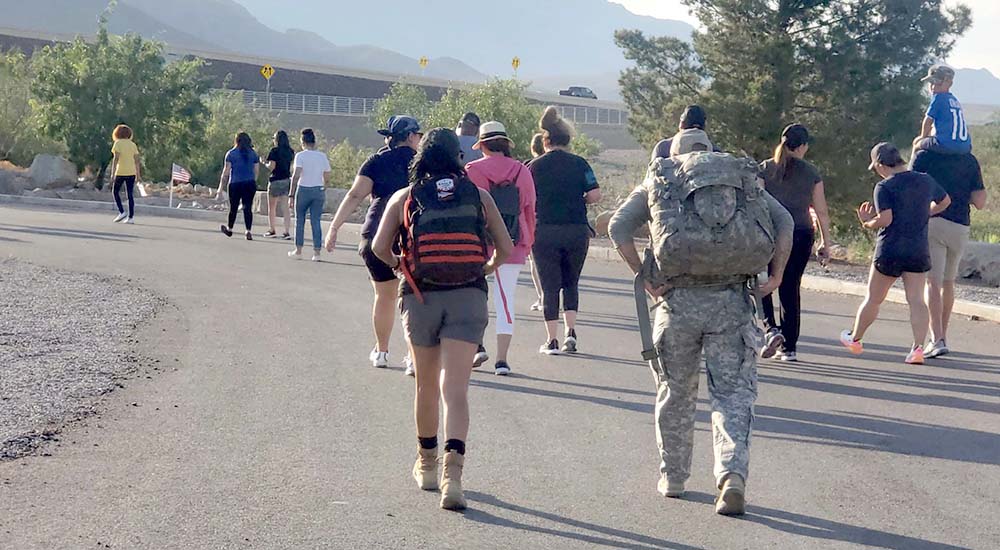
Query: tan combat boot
425	469
451	482
671	489
732	496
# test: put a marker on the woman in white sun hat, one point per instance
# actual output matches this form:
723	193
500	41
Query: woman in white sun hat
513	190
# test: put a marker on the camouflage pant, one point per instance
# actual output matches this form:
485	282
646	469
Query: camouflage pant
720	322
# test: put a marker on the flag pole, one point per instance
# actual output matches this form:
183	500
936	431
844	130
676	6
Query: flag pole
171	192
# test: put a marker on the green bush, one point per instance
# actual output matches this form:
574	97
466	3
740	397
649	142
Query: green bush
21	137
345	159
498	99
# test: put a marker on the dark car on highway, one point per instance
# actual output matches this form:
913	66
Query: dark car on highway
579	91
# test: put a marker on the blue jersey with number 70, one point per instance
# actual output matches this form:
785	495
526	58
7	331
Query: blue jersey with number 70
950	127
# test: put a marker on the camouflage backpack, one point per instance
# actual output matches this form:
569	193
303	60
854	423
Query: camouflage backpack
709	221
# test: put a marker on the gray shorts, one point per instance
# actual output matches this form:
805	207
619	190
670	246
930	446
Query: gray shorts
460	314
279	188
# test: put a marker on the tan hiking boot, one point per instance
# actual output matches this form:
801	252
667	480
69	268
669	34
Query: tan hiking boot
425	469
451	481
671	489
732	497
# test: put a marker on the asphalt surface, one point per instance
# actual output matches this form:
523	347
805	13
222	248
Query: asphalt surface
267	429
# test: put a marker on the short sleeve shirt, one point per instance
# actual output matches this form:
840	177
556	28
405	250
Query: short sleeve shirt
950	129
793	188
243	163
127	153
282	159
959	175
561	180
314	165
909	196
389	170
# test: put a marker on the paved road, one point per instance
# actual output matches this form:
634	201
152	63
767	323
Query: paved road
271	432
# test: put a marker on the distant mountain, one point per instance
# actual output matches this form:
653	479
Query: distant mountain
553	38
217	25
977	86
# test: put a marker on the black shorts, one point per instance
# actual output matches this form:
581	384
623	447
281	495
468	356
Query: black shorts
893	267
378	270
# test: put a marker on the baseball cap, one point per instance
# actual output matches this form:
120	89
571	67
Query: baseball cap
490	131
939	73
400	126
471	118
685	141
885	154
693	117
795	136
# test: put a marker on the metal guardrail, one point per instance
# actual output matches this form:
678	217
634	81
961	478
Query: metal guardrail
364	106
310	104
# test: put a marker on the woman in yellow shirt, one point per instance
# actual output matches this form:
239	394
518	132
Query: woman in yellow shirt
125	168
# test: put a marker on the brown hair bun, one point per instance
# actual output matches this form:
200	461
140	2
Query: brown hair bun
555	128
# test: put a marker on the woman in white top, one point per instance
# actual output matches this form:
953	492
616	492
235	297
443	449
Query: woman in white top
308	193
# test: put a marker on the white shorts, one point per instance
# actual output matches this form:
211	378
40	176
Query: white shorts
503	286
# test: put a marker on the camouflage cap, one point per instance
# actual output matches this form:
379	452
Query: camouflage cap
939	73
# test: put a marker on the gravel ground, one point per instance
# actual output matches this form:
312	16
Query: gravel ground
966	289
65	340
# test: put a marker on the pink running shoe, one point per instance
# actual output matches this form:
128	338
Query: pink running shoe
916	356
850	343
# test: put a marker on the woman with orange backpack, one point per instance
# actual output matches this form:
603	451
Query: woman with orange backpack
441	224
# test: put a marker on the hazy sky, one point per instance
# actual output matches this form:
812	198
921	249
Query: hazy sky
979	47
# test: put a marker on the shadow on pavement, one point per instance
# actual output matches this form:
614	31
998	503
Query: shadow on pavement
70	233
603	536
880	376
818	528
840	429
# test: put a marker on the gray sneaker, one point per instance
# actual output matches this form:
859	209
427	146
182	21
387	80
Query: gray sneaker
936	349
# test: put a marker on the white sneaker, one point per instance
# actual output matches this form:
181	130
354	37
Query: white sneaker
480	357
788	356
315	257
120	217
408	369
936	349
294	255
129	221
380	360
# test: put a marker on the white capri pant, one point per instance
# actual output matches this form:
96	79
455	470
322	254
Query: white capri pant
503	286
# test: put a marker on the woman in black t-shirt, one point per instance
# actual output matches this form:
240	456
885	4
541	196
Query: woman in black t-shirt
279	162
384	173
564	184
797	185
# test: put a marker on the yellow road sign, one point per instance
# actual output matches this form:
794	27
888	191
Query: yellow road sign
267	72
516	62
423	62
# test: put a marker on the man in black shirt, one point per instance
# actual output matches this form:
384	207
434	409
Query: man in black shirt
948	233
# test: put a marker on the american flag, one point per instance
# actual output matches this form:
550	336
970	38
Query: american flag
180	174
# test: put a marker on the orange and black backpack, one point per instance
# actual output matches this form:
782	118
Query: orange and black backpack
443	240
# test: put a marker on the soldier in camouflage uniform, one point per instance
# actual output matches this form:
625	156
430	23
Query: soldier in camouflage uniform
714	316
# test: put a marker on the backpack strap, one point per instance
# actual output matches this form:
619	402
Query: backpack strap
404	266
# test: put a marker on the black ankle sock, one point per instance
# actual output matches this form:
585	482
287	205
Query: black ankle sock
428	442
571	333
456	445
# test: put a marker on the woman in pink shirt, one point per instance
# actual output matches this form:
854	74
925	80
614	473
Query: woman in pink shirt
513	190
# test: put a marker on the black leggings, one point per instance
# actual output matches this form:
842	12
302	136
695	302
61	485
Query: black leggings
790	291
559	253
129	183
243	191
